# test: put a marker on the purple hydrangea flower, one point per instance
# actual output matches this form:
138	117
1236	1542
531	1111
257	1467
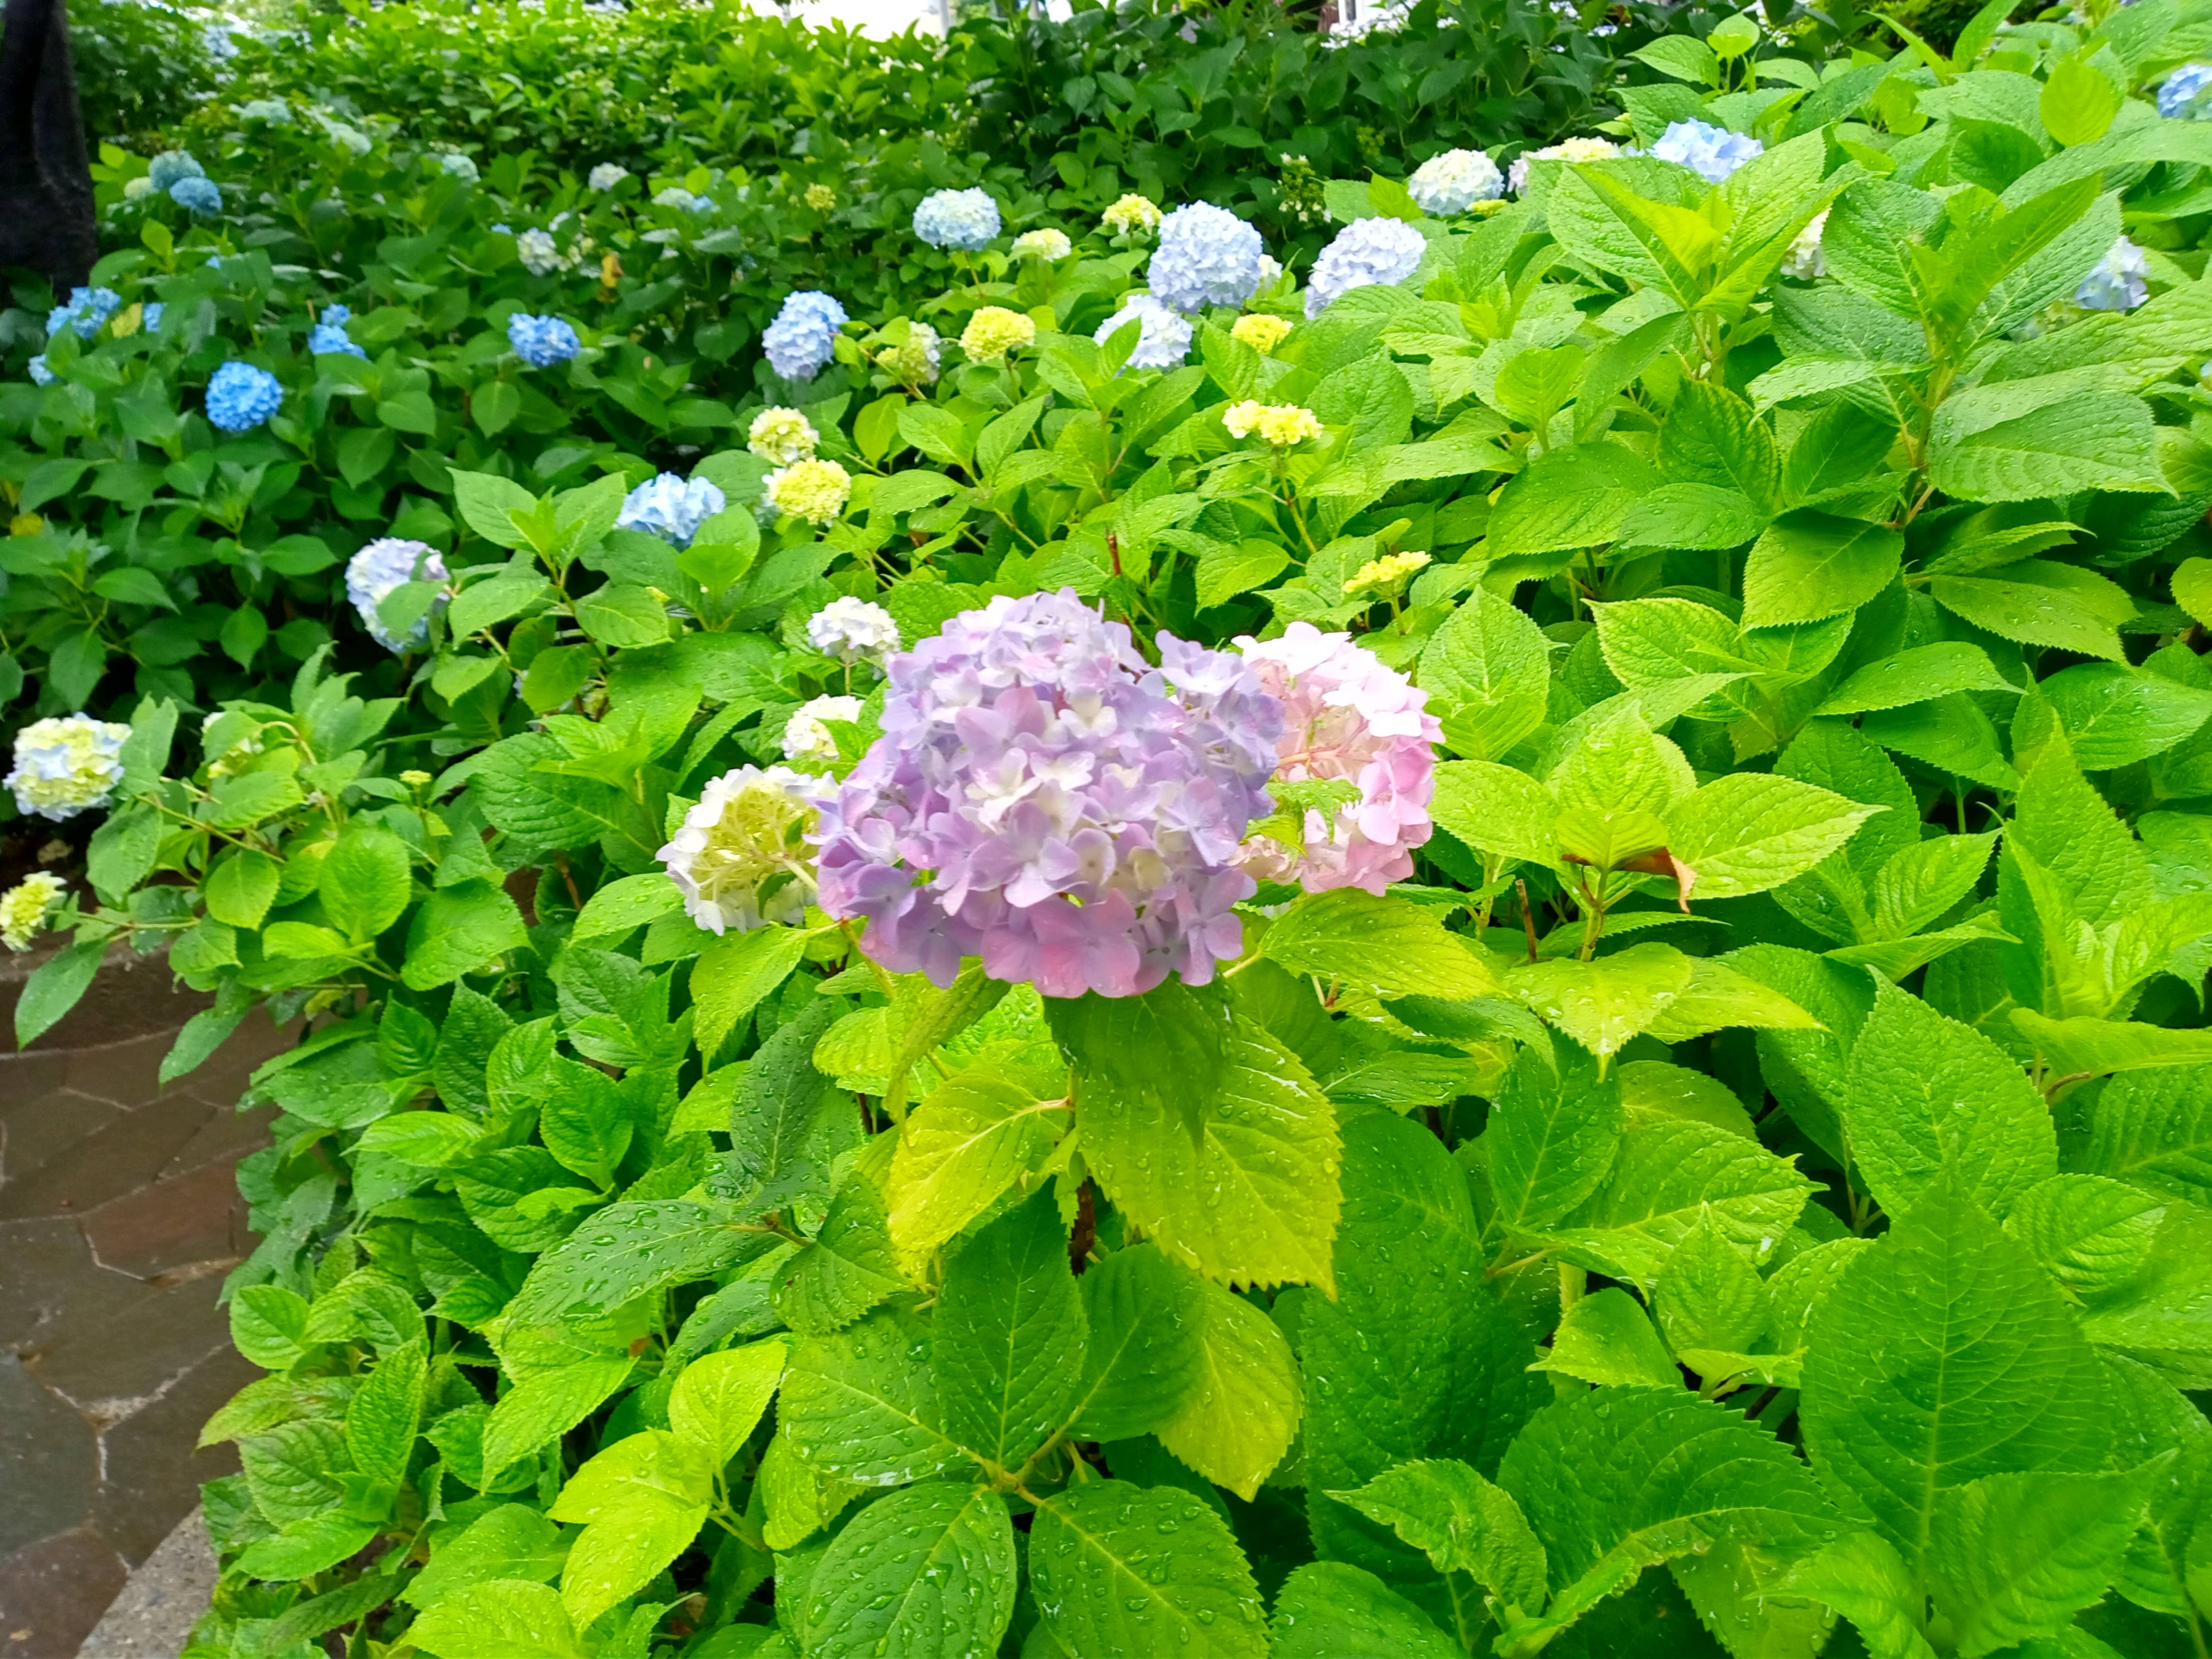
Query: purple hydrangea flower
1365	250
1207	256
801	340
1045	799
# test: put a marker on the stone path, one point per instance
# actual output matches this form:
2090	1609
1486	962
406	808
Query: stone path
119	1218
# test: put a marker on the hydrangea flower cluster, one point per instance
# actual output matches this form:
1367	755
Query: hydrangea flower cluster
1454	181
1567	149
65	765
41	373
540	253
1260	330
1365	251
1281	425
239	396
816	491
25	906
1043	798
1042	245
1163	342
88	308
1710	152
542	341
821	198
740	858
850	628
963	219
169	166
1386	577
2120	281
993	330
329	333
273	110
804	737
1388	18
1347	716
387	563
915	362
782	435
606	175
1207	256
1805	261
197	195
675	196
226	751
454	165
1130	214
671	508
2187	94
801	340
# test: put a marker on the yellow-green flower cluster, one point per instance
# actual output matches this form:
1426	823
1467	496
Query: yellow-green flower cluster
1131	213
25	906
1280	424
993	331
821	198
67	765
1042	245
1261	332
916	360
816	491
1386	577
782	435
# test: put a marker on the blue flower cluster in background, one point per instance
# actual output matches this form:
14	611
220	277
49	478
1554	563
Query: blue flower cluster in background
963	219
171	166
1710	152
88	308
671	508
802	339
1365	251
542	341
199	194
2187	94
240	397
1207	256
330	334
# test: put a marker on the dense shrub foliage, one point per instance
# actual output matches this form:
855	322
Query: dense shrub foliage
1470	924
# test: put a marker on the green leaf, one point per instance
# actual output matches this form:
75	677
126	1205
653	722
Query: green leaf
488	504
1606	1338
861	1404
1711	1295
241	888
2115	715
480	604
1497	809
625	615
363	881
631	901
847	1269
1254	1200
929	1571
644	1500
1979	1370
1604	1003
457	931
974	1137
1462	1522
1550	1142
54	987
385	1412
733	973
1127	1569
546	1405
2013	1557
269	1325
2078	100
1750	831
1009	1335
2089	440
1167	1048
512	1541
1327	1610
1487	671
1927	1095
718	1398
624	1251
1811	564
2153	1127
1145	1358
1391	946
1238	1421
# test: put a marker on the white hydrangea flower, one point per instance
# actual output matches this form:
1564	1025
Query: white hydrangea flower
782	435
138	188
607	175
25	906
1567	149
741	858
386	564
963	219
675	196
850	628
66	765
1163	342
1207	256
1042	245
1365	251
540	253
1804	260
805	737
1454	181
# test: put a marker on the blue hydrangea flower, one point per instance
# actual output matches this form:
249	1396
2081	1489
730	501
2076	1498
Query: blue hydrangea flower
671	508
459	166
2120	282
963	219
171	165
1162	339
801	340
199	194
2184	95
1207	256
542	341
239	396
1366	251
88	308
1710	152
329	334
40	375
149	315
388	562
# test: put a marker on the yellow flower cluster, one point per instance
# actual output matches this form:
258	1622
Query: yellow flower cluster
782	435
25	906
1130	213
1385	577
816	491
1280	424
1042	245
821	198
1260	330
993	331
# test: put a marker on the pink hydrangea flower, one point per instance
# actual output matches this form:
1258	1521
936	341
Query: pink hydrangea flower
1347	715
1045	799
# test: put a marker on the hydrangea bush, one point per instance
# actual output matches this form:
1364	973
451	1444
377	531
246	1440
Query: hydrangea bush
1511	964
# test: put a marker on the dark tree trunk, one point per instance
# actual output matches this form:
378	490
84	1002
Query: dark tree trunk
46	218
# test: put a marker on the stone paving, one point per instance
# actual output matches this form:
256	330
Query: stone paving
119	1218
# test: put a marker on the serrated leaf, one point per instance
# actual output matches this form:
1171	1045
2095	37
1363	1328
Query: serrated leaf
1009	1335
928	1572
1123	1569
1462	1522
1241	1414
1389	945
